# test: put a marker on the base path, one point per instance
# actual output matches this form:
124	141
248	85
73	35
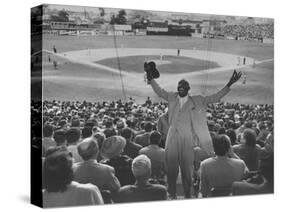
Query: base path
90	57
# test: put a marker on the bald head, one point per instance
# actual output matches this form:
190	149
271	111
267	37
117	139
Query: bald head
88	149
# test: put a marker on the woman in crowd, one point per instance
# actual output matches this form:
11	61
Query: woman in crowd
59	188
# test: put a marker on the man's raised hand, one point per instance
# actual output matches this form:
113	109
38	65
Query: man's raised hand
234	78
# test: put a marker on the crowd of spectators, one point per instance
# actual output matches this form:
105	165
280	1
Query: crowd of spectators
249	31
110	152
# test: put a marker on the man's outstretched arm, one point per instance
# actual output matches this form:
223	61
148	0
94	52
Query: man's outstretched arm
158	90
217	96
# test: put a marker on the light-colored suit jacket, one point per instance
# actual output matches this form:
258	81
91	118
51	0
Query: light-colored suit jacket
198	112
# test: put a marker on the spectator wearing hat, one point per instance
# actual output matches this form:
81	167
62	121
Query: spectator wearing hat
131	149
248	150
156	154
90	171
142	190
143	139
221	171
72	138
60	138
112	149
59	188
48	140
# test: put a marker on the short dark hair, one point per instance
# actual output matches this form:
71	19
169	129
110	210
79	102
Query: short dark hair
47	130
126	133
155	137
57	171
221	144
109	132
221	131
75	123
59	137
232	135
72	136
248	124
250	137
148	126
86	132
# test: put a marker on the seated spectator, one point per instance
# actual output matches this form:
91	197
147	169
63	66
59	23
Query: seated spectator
262	183
100	137
143	139
112	149
86	132
47	140
131	149
220	171
156	154
163	127
142	190
59	137
72	138
59	188
90	171
108	132
248	151
232	135
75	123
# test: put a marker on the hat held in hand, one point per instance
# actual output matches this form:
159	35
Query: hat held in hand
150	69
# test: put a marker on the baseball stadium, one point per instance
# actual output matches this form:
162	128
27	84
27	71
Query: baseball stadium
98	98
94	68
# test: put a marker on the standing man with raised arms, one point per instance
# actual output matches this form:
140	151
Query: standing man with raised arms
188	127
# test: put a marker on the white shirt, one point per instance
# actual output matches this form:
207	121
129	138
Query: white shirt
182	100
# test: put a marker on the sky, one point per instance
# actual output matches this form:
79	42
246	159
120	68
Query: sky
192	16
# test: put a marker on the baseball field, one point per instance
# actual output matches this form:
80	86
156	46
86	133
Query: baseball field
94	67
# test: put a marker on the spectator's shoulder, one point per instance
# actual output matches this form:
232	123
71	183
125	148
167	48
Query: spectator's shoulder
143	150
207	161
238	161
159	187
85	187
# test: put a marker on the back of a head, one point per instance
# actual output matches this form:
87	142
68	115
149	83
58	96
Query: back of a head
86	132
126	133
248	124
141	167
91	123
100	137
155	138
75	123
232	135
47	130
250	137
109	132
57	171
148	127
88	149
221	131
72	136
221	144
59	137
